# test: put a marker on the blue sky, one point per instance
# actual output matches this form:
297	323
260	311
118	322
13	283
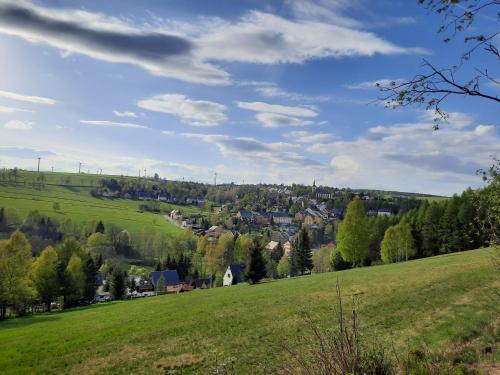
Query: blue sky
278	91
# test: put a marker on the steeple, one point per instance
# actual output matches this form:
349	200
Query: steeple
314	186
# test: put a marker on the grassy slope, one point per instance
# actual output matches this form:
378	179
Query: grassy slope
436	298
78	205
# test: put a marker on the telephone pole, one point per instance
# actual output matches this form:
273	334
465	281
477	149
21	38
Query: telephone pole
38	168
79	167
215	179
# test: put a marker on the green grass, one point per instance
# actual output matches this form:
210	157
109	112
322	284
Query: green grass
434	300
77	204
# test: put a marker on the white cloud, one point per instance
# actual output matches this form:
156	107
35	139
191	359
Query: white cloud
124	114
413	157
192	112
481	130
187	51
12	109
365	85
269	39
168	132
278	109
112	124
274	120
18	125
251	149
26	98
307	137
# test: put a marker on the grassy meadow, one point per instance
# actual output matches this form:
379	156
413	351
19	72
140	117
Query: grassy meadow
435	301
79	205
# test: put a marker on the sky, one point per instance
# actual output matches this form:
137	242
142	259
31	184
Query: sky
255	91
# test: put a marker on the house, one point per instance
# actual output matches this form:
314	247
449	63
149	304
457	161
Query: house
171	282
245	215
202	283
272	245
214	232
384	212
287	247
234	274
281	218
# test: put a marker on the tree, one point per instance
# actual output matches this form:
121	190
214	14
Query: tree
99	227
160	284
397	244
294	259
433	86
430	229
118	284
56	206
98	244
257	266
283	268
90	270
353	235
15	284
322	260
242	248
337	262
304	253
44	275
74	281
449	229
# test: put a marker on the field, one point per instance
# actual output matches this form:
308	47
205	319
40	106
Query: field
435	300
77	204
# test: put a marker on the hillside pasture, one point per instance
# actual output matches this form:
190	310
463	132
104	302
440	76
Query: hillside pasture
435	301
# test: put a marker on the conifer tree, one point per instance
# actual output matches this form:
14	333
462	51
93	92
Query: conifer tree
305	263
257	267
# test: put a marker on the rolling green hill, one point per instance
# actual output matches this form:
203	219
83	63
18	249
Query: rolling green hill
77	204
435	300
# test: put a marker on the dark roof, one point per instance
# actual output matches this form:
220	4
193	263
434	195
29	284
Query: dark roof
198	283
237	269
171	277
246	214
279	214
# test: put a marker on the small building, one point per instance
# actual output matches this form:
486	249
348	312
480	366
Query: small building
281	218
171	282
272	245
384	212
233	274
202	283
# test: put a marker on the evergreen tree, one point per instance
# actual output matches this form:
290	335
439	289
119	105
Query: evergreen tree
99	227
118	284
305	263
44	275
294	259
90	270
449	231
354	236
430	230
337	262
257	267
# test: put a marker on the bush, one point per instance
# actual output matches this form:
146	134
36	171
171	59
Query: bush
340	350
338	263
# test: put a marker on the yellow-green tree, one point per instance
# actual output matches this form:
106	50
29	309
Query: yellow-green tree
74	281
398	244
353	235
15	262
44	275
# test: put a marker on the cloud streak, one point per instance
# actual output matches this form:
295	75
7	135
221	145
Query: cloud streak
112	124
191	112
26	98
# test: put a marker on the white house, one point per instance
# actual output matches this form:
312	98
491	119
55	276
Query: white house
233	274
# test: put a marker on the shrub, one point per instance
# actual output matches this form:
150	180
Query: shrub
338	263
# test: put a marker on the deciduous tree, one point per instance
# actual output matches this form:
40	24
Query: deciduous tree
45	276
354	236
